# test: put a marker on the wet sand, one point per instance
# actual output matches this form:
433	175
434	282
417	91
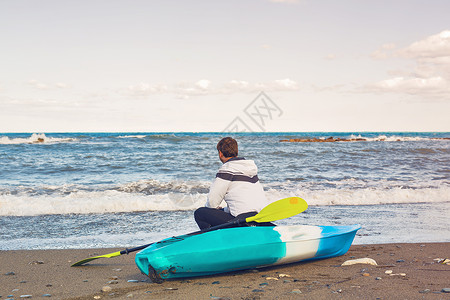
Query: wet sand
415	275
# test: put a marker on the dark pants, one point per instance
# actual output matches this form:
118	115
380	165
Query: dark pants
208	217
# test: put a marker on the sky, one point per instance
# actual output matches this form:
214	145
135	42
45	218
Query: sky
234	65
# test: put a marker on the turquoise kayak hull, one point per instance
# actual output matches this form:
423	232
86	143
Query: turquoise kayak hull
241	248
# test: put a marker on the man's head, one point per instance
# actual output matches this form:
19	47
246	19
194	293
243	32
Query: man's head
227	148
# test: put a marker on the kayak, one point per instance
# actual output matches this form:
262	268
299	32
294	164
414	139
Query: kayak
241	248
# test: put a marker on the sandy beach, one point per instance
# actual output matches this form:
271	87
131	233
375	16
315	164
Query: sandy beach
415	274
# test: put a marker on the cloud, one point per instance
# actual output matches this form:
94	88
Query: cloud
38	85
237	85
202	87
337	88
61	85
184	90
45	86
285	85
242	86
203	84
434	46
145	89
430	78
385	51
436	87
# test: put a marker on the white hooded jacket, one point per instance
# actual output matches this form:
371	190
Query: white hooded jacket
238	185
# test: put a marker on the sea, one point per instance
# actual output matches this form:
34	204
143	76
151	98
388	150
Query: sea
92	190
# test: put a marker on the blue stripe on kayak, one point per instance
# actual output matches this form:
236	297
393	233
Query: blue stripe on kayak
336	240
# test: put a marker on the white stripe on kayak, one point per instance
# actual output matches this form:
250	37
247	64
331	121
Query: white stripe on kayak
302	242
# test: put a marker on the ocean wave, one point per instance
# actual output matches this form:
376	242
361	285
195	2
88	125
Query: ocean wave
97	202
137	136
366	196
395	138
35	138
360	138
151	136
141	187
115	201
151	187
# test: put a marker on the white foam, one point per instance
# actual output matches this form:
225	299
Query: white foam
367	196
138	136
109	201
112	201
393	138
151	186
35	138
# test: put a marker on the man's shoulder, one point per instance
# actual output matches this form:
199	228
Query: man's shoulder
241	166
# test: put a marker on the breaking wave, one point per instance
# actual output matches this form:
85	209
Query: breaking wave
394	138
152	195
35	138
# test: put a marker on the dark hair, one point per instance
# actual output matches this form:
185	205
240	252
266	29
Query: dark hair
228	146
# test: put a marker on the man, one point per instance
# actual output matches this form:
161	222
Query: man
237	184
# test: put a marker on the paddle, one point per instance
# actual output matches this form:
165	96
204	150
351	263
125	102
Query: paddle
277	210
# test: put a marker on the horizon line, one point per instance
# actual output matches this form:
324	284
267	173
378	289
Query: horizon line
219	132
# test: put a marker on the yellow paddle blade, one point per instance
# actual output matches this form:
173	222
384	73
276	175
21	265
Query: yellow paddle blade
86	260
280	209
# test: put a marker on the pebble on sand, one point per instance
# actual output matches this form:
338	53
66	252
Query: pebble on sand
399	274
444	261
445	290
106	289
365	260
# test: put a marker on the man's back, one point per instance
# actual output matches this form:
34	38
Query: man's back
237	183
